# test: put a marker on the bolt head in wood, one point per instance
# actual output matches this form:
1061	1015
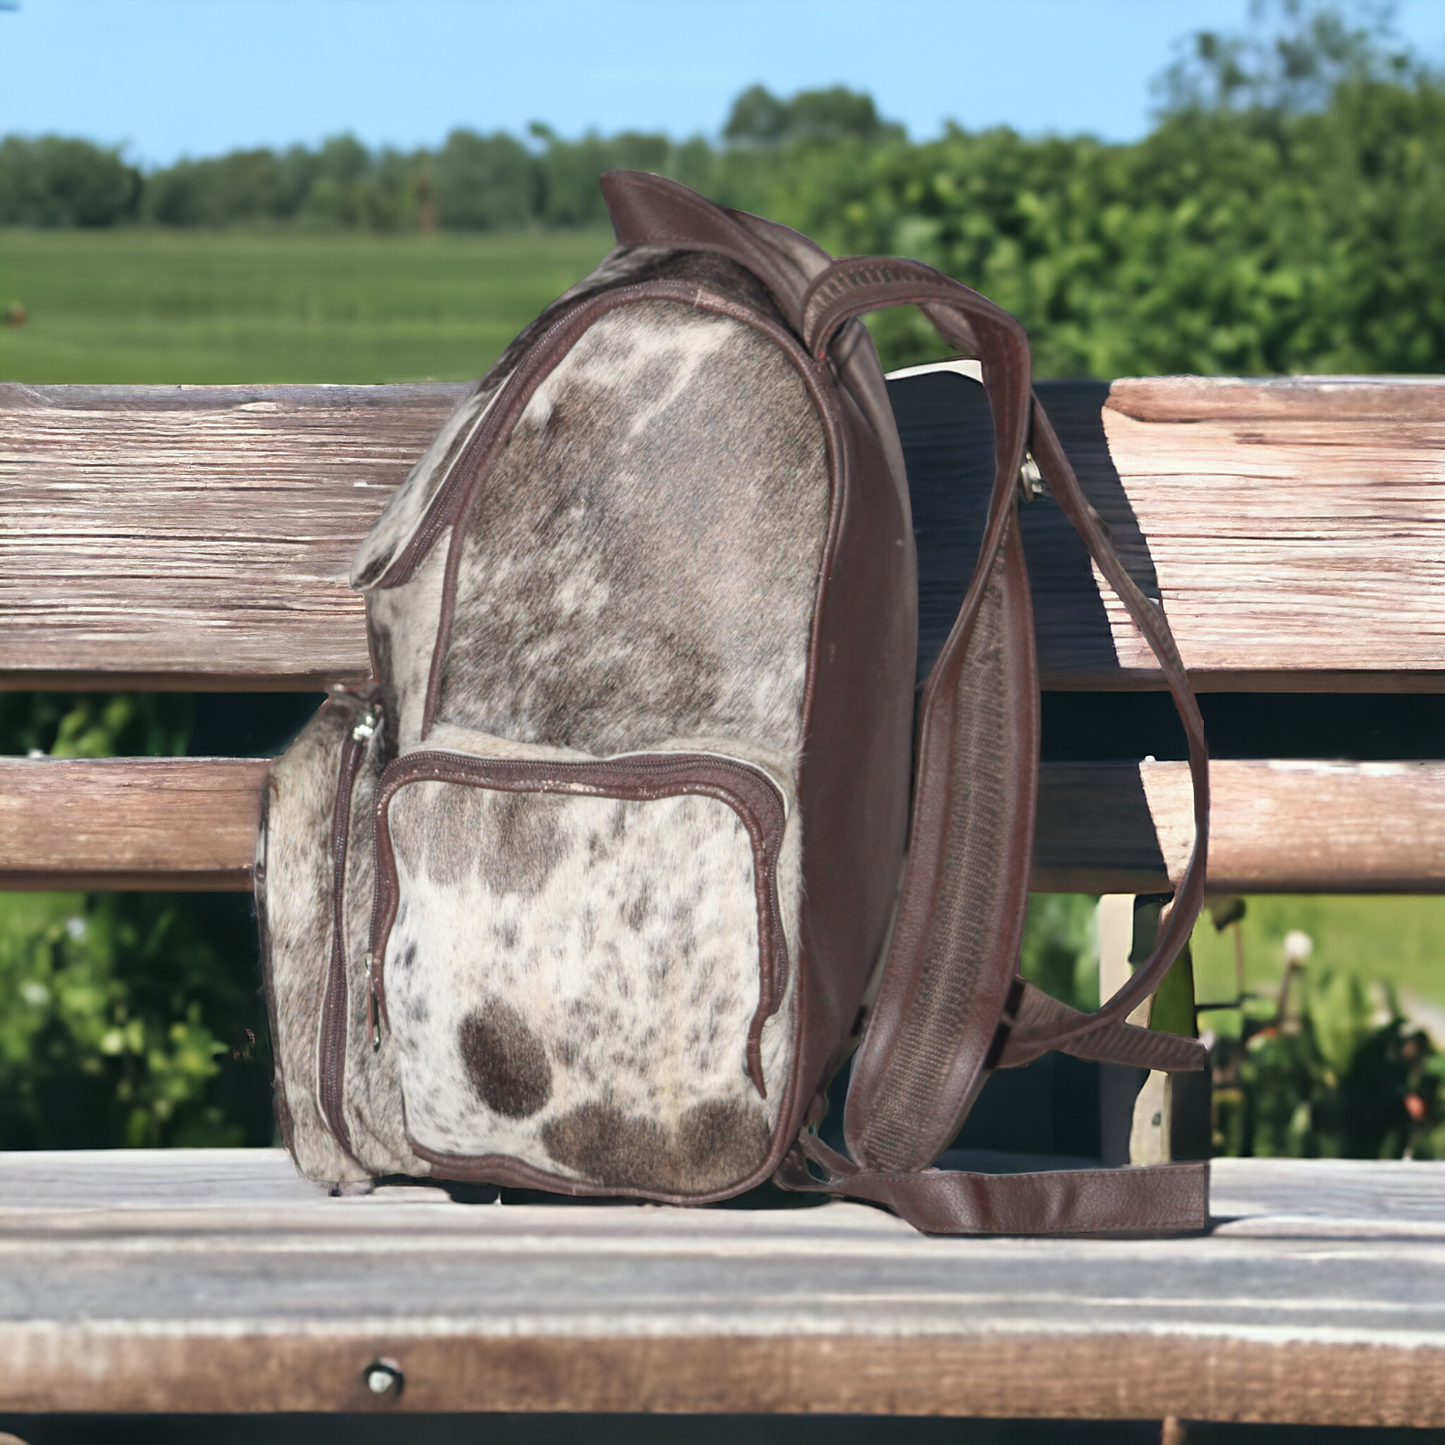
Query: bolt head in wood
383	1378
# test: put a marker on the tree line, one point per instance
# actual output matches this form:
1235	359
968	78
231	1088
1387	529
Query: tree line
1285	213
471	182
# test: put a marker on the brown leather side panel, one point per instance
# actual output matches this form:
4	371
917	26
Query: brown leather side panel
857	754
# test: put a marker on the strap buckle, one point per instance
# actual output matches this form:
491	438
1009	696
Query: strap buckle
1031	480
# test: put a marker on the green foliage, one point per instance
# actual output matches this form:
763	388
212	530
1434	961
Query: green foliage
819	116
113	1026
57	181
1335	1073
125	1019
1060	952
1286	214
94	725
1395	940
485	182
1293	57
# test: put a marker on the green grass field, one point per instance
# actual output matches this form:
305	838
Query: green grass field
204	307
1397	940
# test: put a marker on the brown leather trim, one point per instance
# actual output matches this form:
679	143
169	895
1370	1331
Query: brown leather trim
1159	1198
857	284
502	1169
967	320
918	933
640	778
484	450
1113	1043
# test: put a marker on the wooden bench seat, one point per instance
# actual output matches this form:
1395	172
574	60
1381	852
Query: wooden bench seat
216	1280
199	538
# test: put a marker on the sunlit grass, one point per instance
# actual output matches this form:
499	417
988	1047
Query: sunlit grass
1396	940
143	305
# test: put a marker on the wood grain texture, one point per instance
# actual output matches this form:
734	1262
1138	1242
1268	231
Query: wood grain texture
1275	827
184	532
172	823
215	1281
201	536
1102	827
1293	530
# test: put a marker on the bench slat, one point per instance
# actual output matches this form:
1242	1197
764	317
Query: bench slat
199	537
209	1280
190	823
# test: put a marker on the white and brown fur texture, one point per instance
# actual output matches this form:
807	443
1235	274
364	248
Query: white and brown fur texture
570	981
407	506
558	998
643	561
294	879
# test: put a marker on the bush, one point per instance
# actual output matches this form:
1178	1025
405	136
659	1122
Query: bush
59	181
125	1019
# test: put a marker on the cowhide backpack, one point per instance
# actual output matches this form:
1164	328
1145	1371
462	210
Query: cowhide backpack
625	852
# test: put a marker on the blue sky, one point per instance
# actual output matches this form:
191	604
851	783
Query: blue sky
172	77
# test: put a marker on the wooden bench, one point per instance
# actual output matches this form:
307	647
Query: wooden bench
198	539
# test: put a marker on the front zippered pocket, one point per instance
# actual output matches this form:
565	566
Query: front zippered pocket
576	962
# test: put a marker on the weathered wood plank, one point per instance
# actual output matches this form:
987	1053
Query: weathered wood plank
1102	827
217	1282
172	823
170	534
189	537
1275	827
1294	530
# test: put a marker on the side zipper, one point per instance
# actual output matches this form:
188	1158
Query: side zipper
332	1040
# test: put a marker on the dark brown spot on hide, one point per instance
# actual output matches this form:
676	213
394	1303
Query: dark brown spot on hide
505	1061
715	1145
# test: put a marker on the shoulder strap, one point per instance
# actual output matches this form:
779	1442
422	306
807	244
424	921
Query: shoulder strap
934	1030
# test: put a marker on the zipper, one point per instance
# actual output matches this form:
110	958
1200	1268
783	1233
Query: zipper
334	1005
641	777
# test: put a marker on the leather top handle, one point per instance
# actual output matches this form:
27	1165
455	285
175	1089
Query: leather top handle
972	323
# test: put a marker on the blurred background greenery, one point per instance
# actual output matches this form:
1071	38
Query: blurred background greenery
1286	214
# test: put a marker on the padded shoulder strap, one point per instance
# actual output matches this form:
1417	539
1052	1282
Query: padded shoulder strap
934	1030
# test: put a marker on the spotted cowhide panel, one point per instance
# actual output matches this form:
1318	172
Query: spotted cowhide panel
293	877
625	266
570	982
402	623
644	559
294	881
